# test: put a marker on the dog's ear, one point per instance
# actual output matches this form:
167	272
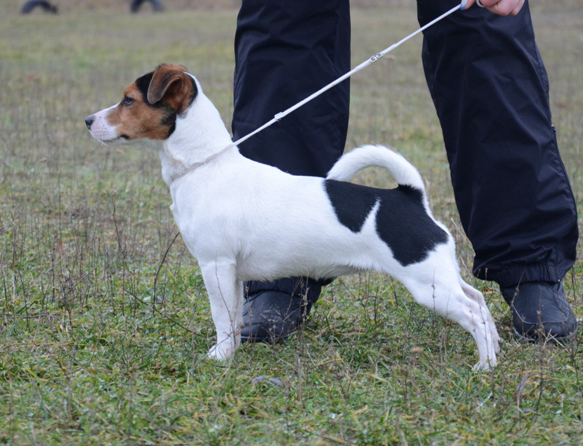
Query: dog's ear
171	83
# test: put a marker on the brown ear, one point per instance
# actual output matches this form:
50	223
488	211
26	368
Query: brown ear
171	83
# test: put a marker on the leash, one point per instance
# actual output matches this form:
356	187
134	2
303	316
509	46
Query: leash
363	65
283	114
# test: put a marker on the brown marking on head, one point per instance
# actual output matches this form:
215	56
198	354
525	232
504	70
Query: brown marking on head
171	83
152	103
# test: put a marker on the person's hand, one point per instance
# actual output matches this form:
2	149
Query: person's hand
500	7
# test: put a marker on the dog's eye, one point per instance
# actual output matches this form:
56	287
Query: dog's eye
127	101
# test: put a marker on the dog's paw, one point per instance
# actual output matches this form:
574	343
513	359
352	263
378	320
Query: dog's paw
483	366
221	351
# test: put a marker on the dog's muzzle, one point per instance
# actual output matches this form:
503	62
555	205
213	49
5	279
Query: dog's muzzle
88	121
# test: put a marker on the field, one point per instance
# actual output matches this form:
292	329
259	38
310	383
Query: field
104	319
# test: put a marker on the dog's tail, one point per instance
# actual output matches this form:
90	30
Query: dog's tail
377	156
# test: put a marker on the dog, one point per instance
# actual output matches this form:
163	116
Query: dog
244	220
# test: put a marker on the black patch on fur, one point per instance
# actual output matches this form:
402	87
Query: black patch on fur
143	83
194	91
169	118
351	204
401	221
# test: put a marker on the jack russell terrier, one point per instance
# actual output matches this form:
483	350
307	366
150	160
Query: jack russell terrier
245	220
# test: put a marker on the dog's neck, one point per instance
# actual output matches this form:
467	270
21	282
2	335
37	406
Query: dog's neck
200	137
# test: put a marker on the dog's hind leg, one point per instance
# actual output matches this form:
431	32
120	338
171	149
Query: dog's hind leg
226	299
443	294
478	297
471	292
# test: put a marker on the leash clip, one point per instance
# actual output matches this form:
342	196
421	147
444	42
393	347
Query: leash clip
376	57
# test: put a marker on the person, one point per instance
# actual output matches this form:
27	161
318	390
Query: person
136	5
43	4
490	90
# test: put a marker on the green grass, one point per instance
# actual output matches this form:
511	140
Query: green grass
104	320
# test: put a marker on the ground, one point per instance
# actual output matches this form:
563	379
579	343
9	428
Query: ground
104	317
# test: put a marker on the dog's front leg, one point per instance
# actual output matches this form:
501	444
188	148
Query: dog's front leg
226	295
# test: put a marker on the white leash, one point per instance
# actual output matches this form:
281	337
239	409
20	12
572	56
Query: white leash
366	63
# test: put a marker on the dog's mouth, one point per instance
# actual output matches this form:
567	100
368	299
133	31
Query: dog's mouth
116	140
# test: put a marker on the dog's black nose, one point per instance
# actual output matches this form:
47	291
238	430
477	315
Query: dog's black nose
88	121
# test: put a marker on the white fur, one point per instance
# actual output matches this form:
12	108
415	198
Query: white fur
101	130
244	220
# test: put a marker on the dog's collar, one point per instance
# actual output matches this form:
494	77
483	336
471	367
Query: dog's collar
194	166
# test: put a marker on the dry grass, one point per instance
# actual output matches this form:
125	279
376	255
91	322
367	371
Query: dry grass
102	343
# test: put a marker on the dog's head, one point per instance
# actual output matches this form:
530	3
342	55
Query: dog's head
149	107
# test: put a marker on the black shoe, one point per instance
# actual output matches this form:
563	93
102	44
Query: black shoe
275	310
540	309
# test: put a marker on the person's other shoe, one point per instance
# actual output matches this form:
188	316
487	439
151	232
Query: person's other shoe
275	310
540	310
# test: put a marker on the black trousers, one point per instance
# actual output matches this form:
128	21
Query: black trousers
490	91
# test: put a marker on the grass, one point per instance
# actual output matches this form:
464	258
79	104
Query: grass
104	318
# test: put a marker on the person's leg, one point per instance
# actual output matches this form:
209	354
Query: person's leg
490	90
157	5
45	5
135	5
284	52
